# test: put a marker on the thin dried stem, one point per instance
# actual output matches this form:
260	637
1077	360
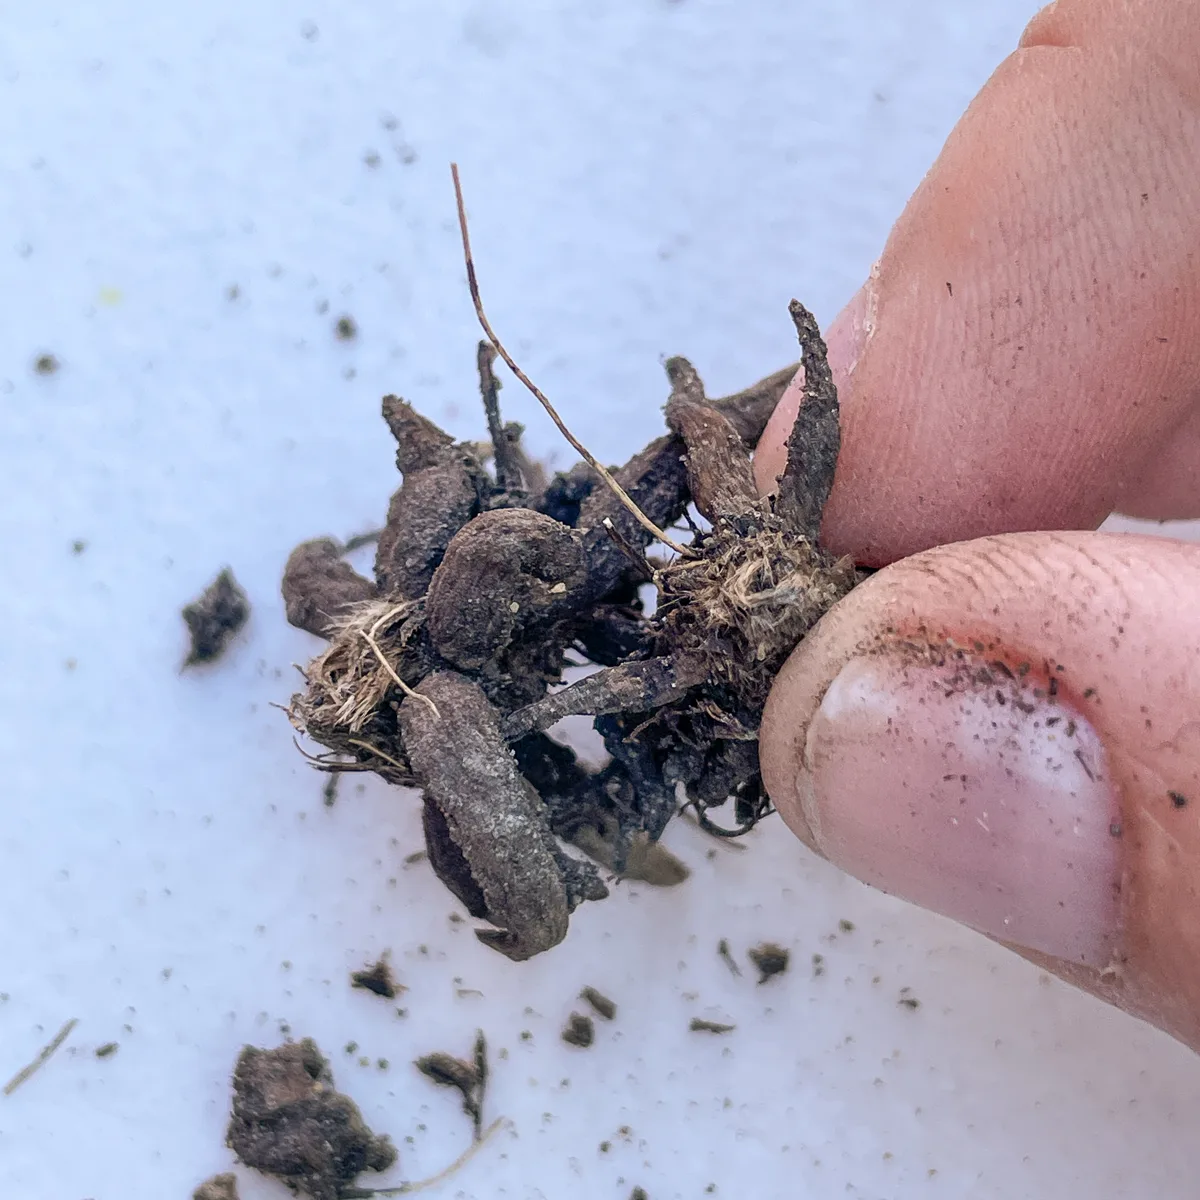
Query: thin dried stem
44	1056
577	445
420	1185
368	636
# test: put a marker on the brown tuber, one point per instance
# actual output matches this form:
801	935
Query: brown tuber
443	672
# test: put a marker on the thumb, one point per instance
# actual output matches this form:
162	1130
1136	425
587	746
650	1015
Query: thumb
1005	731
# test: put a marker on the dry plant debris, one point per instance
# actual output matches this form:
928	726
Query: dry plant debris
700	1025
442	672
219	1187
378	979
290	1122
600	1003
214	617
769	960
44	1055
469	1077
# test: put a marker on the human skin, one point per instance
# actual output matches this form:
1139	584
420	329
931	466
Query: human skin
1024	359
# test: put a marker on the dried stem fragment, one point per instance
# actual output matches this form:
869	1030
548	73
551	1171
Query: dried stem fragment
46	1053
578	446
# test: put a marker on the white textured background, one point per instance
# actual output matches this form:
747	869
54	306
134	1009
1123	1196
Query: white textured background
645	178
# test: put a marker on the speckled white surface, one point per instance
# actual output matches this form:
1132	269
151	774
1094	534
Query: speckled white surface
645	178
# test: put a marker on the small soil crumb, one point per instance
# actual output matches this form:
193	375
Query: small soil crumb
219	1187
818	965
290	1122
727	957
46	364
215	617
78	546
470	1078
107	1050
579	1031
346	329
700	1025
330	790
600	1002
377	978
846	926
908	1000
638	1193
769	960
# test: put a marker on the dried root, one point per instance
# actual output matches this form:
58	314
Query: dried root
443	672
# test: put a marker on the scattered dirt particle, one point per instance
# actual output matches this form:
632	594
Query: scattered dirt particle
378	978
526	1035
1178	799
600	1002
219	1187
769	960
351	1048
411	860
579	1031
470	1078
107	1050
726	956
330	791
46	364
638	1193
818	965
372	159
215	617
846	926
908	1000
382	1064
345	328
605	1147
290	1122
700	1025
78	546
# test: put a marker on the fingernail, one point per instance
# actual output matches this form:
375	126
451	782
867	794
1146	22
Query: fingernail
851	330
971	789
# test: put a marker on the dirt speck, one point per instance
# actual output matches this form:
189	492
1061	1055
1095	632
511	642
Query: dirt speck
1178	799
290	1122
600	1002
107	1050
579	1031
908	1000
377	978
78	546
846	926
638	1193
726	956
219	1187
46	364
215	617
345	328
700	1025
769	960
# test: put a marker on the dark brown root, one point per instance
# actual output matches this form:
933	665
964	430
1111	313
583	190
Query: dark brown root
319	586
488	583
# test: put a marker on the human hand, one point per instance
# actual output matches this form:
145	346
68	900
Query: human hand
1007	730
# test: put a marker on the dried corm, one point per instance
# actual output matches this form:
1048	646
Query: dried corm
438	672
